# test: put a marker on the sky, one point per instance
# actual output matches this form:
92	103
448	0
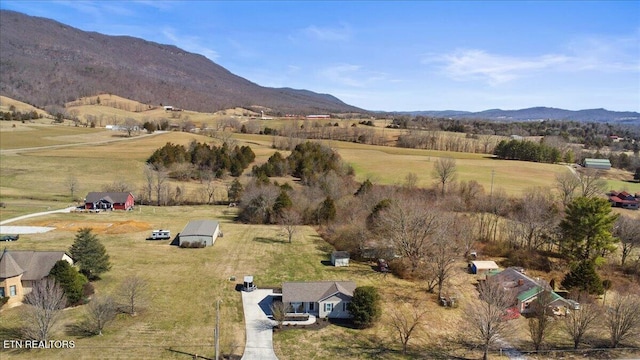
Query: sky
397	55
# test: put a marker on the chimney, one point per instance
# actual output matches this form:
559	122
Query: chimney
520	282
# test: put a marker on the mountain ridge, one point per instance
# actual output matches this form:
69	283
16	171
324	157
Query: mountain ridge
37	54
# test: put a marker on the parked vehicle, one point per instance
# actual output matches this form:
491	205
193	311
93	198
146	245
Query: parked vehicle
383	266
160	234
9	237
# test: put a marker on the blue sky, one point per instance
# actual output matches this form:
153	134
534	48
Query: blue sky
397	55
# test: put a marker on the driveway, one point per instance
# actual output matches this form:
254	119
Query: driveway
259	344
65	210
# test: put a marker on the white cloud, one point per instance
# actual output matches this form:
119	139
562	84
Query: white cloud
595	54
342	33
190	43
473	64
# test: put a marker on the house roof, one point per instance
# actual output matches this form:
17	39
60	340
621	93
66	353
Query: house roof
314	291
526	295
200	227
511	278
8	266
340	254
114	197
485	265
34	264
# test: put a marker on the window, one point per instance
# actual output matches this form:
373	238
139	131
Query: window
345	305
2	292
12	290
311	306
328	307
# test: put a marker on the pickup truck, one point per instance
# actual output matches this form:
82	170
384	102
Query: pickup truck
9	237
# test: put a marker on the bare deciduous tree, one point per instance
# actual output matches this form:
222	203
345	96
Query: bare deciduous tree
409	223
117	186
130	125
578	322
405	320
444	248
486	316
622	318
591	183
289	220
444	170
160	178
628	231
132	293
73	184
567	183
541	322
279	312
43	305
100	311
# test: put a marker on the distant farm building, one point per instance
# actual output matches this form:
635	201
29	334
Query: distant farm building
599	164
624	200
318	116
199	233
340	258
168	108
109	201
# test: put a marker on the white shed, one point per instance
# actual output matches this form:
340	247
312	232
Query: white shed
340	258
199	233
482	267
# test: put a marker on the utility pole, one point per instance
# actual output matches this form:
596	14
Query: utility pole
493	172
217	330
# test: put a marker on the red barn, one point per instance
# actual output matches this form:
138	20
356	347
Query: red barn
109	201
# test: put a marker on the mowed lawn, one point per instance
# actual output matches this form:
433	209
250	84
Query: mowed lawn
184	283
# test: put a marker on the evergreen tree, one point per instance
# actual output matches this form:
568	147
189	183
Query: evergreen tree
283	201
235	190
583	277
89	254
70	280
586	229
365	306
327	210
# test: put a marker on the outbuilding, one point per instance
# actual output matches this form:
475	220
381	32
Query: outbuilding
340	258
482	267
199	233
599	164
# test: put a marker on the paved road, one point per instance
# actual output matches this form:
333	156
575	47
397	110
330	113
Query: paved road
66	210
259	344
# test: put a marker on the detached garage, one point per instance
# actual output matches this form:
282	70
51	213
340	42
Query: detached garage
199	233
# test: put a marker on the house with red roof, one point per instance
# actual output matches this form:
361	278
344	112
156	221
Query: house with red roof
624	200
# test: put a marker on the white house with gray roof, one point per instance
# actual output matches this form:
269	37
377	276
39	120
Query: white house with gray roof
324	299
199	231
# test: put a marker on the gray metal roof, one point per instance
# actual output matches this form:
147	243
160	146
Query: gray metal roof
114	197
314	291
35	264
200	227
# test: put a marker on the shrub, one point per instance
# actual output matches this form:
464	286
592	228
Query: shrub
365	306
3	300
529	259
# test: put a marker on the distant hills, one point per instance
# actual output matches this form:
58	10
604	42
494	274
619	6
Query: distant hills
540	113
44	62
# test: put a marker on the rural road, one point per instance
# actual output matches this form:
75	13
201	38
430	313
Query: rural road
259	345
49	147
